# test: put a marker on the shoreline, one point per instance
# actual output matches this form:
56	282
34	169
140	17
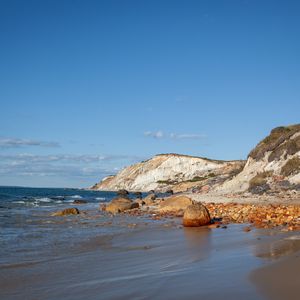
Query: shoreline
137	253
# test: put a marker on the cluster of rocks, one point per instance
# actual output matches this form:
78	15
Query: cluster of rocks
261	216
196	214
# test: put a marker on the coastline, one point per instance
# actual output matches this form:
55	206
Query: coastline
139	253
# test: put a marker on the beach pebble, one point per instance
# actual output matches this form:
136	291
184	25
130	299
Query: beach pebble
246	229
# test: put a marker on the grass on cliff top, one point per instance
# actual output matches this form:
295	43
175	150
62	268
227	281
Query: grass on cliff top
195	179
274	140
291	167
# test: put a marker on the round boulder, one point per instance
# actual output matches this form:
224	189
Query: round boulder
196	215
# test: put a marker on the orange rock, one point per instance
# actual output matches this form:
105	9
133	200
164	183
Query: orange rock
67	211
196	215
247	229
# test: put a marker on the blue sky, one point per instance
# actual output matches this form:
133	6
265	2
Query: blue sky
87	87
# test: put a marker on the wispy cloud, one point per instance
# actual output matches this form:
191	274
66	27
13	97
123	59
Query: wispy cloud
85	158
155	134
66	165
16	143
161	135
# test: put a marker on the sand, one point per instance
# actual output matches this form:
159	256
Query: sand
280	279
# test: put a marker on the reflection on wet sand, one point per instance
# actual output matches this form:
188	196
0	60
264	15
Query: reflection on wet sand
278	248
279	280
198	242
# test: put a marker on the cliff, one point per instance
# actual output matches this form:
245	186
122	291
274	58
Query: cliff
273	165
169	171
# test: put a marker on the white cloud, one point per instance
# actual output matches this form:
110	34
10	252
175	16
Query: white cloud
155	134
190	136
16	143
63	165
160	135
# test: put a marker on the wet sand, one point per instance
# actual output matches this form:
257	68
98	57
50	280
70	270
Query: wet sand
153	261
137	258
281	279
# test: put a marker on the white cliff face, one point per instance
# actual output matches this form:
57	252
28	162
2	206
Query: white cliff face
240	183
179	172
166	168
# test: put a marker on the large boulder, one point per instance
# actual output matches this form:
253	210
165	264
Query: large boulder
120	204
67	211
196	215
175	203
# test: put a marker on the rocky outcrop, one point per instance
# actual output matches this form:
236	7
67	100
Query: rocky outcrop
276	159
169	172
66	212
196	215
175	203
120	204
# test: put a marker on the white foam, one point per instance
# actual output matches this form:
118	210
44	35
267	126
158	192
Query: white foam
43	200
76	197
100	198
20	202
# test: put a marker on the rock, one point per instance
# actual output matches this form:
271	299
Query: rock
138	195
260	189
120	204
213	225
284	185
149	200
102	207
175	203
122	193
78	201
139	201
196	215
170	192
135	205
67	211
246	229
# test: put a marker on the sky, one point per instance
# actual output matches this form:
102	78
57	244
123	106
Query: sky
88	87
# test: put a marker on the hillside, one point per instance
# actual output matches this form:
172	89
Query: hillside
273	165
170	171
